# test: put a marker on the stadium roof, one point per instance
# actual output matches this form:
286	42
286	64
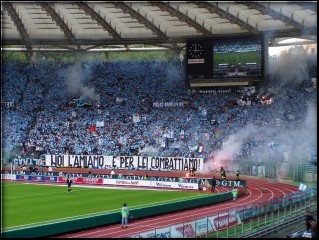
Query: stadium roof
116	25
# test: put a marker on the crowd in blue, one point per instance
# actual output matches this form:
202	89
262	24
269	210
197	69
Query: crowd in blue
128	97
239	45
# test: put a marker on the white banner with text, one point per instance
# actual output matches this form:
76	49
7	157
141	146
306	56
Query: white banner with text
124	162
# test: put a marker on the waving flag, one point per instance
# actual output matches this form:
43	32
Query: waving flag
136	118
250	90
200	149
92	128
100	123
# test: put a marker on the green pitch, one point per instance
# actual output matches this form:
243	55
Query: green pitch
27	204
235	58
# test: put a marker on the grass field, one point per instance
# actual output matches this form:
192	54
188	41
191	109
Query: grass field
31	204
235	58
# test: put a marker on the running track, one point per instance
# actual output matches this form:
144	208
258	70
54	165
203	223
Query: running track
258	191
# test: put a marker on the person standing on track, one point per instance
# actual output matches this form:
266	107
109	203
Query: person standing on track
223	173
125	214
213	184
237	175
234	192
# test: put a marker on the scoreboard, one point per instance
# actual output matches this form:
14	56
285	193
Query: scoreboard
236	61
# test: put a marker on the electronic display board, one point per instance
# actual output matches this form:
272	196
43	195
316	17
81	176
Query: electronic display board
226	61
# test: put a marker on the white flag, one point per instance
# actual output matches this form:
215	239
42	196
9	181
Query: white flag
136	118
250	90
100	123
119	100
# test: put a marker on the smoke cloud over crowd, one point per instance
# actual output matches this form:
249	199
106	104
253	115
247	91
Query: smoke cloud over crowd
284	142
77	76
291	68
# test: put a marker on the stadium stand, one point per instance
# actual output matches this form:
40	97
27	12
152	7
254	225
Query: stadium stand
130	109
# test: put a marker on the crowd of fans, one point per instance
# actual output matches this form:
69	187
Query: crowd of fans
240	45
42	120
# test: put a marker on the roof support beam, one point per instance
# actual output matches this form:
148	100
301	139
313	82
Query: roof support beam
88	10
308	5
15	18
67	32
166	7
275	15
223	14
140	18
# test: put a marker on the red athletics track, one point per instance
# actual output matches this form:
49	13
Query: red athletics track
258	191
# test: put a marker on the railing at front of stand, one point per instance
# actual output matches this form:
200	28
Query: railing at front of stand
254	220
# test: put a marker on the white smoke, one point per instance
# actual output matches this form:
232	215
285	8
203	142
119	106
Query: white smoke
290	68
149	151
234	143
299	141
299	138
231	147
174	75
303	139
75	80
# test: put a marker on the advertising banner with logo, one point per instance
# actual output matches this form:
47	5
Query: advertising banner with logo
190	229
223	220
202	227
36	178
21	178
127	182
190	186
82	180
8	176
157	233
51	179
186	230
